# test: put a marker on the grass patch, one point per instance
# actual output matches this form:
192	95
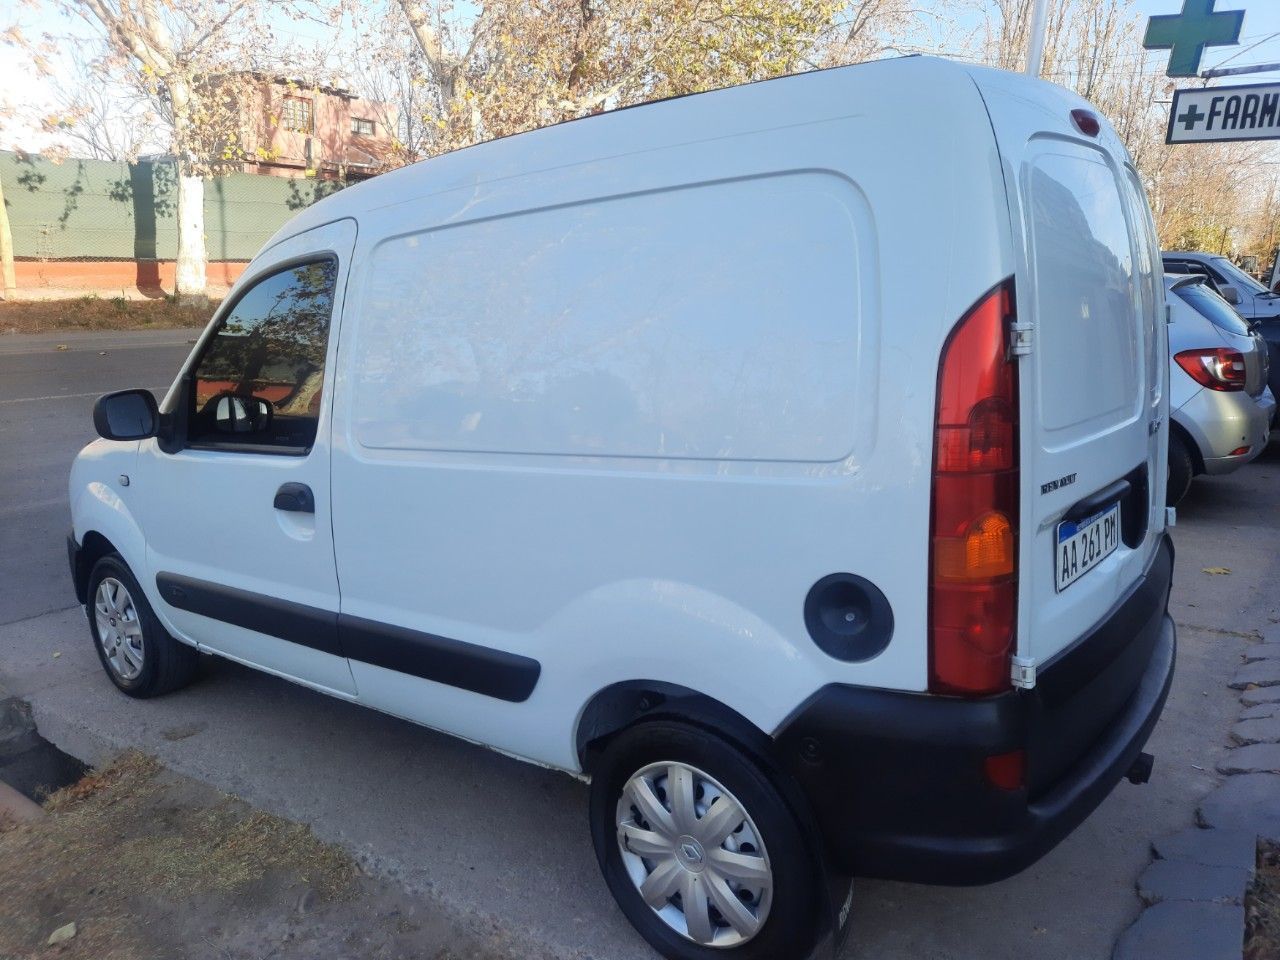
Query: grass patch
96	313
1262	906
132	828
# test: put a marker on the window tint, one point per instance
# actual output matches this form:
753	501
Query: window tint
1213	308
258	381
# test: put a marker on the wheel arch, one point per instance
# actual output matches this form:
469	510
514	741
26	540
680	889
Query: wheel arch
1193	448
620	705
627	704
93	547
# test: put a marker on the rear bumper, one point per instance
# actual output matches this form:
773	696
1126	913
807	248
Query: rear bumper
1223	421
1267	401
896	780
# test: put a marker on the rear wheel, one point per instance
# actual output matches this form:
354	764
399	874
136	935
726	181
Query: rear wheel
139	655
699	849
1181	470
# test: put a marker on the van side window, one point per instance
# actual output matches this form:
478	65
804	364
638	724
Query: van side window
257	385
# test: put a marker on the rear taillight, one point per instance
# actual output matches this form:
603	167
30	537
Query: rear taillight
973	572
1216	368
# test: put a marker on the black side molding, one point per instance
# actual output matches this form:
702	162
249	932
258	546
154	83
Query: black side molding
494	673
295	622
468	666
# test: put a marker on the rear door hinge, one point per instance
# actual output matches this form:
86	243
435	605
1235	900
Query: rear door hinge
1024	672
1019	339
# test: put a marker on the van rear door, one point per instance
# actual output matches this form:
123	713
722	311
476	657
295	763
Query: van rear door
1092	376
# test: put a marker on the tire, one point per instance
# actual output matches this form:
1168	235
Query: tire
784	908
138	654
1181	470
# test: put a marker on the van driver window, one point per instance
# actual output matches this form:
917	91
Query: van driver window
259	379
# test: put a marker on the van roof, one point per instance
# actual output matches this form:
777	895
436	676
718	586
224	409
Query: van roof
793	99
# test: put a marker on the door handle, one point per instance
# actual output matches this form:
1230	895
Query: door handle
296	498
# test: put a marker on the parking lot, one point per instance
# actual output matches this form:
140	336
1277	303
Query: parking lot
505	843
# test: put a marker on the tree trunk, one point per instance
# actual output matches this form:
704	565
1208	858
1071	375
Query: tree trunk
189	279
190	270
6	251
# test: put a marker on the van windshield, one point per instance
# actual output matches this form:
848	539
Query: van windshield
1213	308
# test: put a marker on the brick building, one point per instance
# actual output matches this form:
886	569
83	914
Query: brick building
297	129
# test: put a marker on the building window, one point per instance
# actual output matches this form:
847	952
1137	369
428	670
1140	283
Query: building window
296	115
362	127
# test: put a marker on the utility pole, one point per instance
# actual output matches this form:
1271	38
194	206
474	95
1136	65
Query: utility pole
1035	40
6	251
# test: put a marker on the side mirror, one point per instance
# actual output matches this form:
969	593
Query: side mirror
126	415
1229	294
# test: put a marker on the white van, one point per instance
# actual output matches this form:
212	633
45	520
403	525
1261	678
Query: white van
789	460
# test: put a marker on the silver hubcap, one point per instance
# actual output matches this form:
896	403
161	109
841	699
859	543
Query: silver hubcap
119	632
694	854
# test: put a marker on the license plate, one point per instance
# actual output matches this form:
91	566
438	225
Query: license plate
1083	544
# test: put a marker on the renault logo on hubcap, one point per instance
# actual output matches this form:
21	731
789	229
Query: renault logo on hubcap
692	856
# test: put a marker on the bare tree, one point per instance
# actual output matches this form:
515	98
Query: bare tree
867	30
387	68
7	279
100	117
1200	194
183	54
511	65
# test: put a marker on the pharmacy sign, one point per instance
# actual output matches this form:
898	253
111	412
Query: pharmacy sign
1186	34
1212	114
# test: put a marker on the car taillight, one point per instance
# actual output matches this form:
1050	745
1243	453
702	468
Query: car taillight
973	572
1216	368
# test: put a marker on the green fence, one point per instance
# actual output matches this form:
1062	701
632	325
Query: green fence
99	210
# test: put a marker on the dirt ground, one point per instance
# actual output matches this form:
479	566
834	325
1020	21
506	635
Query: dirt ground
1262	907
151	866
97	313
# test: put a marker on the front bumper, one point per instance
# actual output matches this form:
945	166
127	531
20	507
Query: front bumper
896	780
1221	421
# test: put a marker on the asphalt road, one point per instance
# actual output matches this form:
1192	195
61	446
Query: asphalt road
46	402
505	843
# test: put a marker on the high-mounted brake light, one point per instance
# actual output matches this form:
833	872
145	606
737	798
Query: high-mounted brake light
1216	367
1086	122
973	566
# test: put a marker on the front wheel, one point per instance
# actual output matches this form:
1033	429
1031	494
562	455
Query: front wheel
699	849
139	655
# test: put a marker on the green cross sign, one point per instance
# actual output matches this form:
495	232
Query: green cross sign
1186	34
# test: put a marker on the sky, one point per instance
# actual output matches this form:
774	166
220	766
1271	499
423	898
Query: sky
21	86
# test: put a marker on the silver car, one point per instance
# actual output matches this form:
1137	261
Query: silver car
1220	405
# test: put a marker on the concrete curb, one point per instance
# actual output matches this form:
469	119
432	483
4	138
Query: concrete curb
1195	887
15	808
